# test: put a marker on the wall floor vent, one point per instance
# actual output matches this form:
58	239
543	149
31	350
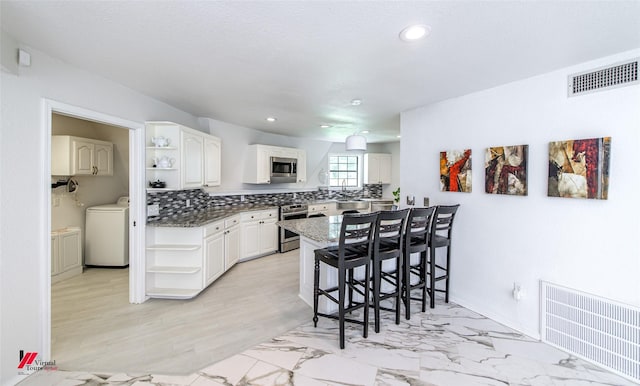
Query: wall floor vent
604	78
599	330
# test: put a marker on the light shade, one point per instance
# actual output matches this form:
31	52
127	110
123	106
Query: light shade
356	142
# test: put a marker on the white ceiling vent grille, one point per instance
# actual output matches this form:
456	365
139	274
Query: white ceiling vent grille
604	78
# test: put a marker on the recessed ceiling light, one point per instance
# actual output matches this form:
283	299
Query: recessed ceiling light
356	102
364	132
398	136
325	126
271	119
415	32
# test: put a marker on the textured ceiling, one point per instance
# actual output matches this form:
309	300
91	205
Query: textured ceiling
304	61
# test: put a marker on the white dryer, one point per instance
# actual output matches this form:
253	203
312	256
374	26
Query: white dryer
107	235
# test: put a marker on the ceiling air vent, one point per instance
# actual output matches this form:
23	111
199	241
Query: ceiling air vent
604	78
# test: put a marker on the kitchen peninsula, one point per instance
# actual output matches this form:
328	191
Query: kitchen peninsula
316	233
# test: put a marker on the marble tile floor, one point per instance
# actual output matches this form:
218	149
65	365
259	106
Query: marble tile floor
448	345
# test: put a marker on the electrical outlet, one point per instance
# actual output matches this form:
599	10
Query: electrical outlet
55	201
187	203
242	198
153	210
425	202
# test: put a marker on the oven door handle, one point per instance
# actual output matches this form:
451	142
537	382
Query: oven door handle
285	215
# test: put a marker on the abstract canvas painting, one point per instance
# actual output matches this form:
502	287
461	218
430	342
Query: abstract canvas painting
455	171
505	170
579	168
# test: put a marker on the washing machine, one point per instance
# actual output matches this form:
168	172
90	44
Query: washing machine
107	235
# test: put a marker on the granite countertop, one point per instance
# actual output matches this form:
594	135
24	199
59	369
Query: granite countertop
320	229
204	217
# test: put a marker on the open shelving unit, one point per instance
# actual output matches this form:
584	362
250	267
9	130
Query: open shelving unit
174	267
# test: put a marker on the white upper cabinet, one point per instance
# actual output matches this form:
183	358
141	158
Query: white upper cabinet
257	164
257	168
302	166
103	159
71	156
212	161
182	158
192	149
377	168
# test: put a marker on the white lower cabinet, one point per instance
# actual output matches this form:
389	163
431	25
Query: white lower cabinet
213	252
66	254
259	233
231	241
181	262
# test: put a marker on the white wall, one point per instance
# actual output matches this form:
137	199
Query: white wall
590	245
23	211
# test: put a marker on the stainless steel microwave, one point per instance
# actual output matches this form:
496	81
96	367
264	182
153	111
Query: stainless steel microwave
284	170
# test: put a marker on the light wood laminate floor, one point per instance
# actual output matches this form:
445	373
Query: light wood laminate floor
94	328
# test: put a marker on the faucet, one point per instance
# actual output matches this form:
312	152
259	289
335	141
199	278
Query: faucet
344	185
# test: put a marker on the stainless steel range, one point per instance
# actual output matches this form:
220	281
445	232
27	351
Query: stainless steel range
288	239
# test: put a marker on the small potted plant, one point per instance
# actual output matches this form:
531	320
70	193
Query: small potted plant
396	195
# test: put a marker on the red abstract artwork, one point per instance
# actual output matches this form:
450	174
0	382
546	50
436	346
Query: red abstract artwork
455	171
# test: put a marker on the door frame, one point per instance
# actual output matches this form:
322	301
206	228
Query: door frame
137	198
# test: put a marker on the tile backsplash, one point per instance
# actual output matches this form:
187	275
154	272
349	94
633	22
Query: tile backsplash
174	203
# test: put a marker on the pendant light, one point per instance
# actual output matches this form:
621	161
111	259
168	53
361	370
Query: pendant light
356	142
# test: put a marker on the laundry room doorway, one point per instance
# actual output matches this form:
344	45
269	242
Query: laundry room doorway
96	220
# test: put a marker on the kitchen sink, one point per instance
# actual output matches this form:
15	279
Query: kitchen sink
352	204
349	199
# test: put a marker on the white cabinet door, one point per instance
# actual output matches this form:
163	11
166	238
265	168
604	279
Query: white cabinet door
214	257
384	171
268	236
232	246
82	158
212	156
250	246
66	254
264	166
71	253
377	168
192	160
103	159
302	166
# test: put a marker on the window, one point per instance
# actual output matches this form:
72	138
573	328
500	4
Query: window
344	168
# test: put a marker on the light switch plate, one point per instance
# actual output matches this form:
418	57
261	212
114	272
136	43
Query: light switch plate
153	210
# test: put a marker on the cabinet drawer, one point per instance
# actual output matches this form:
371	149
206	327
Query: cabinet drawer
228	223
259	215
213	228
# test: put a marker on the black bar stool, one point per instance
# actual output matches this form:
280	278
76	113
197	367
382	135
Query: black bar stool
354	249
440	237
387	245
416	240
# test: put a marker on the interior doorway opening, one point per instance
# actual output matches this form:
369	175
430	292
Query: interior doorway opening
59	119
